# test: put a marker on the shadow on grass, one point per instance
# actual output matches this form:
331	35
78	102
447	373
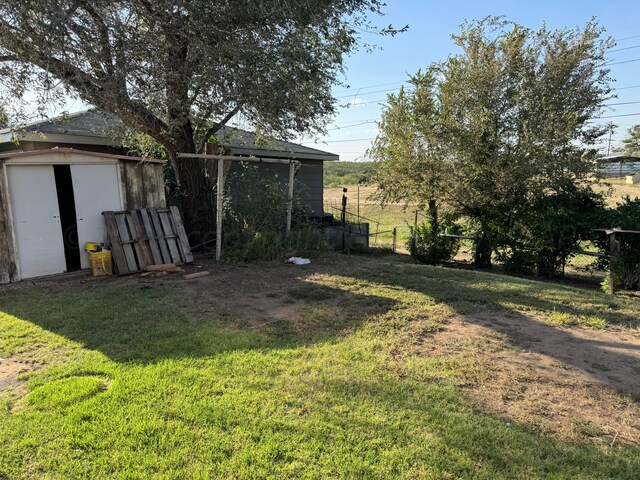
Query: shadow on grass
144	323
137	323
467	443
481	297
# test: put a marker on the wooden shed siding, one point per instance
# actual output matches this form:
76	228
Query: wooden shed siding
143	185
8	265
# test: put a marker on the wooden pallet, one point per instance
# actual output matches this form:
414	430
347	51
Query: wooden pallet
146	236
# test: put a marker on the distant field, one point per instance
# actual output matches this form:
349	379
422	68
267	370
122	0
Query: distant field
619	190
402	216
384	218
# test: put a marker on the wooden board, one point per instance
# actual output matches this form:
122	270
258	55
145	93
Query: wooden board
162	243
127	242
117	252
8	263
169	236
147	236
178	227
151	237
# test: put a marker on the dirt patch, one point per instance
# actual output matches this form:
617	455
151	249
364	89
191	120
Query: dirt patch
572	382
234	292
10	371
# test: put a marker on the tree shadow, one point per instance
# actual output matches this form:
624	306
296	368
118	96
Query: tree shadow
136	321
501	303
466	443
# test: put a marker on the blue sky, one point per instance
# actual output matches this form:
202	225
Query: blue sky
371	75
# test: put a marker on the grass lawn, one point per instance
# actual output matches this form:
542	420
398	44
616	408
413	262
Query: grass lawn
352	367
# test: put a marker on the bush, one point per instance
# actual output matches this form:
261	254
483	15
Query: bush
427	245
545	233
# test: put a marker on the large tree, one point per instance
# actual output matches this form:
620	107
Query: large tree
497	126
179	70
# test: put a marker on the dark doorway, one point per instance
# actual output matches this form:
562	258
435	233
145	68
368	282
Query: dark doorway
68	220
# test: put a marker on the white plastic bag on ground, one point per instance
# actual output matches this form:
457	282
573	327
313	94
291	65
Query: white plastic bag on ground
299	261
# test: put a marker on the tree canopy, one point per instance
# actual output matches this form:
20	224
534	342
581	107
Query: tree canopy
632	142
491	130
178	70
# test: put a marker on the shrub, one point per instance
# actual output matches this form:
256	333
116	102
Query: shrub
427	245
544	234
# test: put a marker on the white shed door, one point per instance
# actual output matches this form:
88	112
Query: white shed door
96	189
36	220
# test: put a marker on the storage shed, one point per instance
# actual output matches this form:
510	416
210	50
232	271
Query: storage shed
51	204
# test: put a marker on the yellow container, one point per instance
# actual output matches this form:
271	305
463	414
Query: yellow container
101	263
91	247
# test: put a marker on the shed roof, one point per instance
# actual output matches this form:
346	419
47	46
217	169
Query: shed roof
619	157
32	153
99	128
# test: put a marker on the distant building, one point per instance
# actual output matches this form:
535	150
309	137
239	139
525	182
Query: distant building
618	165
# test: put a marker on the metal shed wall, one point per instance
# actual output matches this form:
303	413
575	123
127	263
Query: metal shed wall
308	182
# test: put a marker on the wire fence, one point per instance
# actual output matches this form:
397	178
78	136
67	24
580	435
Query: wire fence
597	263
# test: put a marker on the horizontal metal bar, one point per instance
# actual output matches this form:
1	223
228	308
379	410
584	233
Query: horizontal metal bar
230	158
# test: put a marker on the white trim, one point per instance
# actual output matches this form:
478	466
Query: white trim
6	157
57	158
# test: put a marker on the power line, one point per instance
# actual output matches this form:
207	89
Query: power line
627	88
369	93
616	116
342	141
624	48
620	63
626	38
356	121
371	86
356	125
620	103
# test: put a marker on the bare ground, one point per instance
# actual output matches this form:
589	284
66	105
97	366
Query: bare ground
572	382
11	370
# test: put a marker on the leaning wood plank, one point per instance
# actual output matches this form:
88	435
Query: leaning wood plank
117	251
151	236
162	243
170	237
8	262
191	276
126	243
182	234
137	237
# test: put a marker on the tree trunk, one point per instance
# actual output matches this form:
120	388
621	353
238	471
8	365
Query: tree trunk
433	215
194	194
483	250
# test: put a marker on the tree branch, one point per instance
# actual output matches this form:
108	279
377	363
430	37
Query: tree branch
217	126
